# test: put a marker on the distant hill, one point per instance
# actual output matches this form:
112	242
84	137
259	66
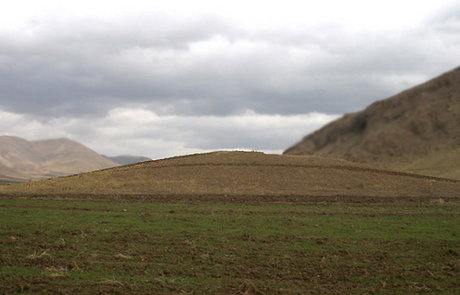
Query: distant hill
126	159
10	174
23	160
417	130
246	174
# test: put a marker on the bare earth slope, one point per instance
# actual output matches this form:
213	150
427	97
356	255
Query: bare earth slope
22	159
228	174
417	130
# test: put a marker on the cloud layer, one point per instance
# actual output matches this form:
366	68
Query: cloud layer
183	77
125	130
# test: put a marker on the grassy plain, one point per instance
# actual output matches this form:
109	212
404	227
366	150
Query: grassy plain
100	247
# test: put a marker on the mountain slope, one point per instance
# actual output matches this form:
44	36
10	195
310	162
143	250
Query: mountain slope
22	159
416	130
7	173
243	174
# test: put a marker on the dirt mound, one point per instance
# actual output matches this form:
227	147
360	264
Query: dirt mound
244	174
127	159
22	159
416	130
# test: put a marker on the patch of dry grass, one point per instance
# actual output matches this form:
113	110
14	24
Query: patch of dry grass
243	173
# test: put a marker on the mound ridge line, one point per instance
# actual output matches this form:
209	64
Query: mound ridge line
337	167
352	168
229	175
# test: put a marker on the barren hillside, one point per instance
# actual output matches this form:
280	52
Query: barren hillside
417	130
244	174
22	159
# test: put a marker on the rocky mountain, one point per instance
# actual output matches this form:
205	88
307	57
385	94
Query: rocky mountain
417	130
21	159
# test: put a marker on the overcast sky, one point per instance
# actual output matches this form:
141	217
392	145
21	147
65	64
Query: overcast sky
162	78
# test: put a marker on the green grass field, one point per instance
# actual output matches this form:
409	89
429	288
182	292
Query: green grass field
76	247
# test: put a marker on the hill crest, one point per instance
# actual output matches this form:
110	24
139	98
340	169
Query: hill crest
242	174
127	159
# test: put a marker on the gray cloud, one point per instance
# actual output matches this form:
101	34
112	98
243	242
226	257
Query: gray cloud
139	131
212	66
196	83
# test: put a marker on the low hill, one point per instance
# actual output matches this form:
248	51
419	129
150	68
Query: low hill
23	160
127	159
417	130
243	174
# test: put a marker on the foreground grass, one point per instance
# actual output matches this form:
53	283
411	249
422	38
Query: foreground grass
56	247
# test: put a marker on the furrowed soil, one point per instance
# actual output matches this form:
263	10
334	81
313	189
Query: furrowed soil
204	246
232	223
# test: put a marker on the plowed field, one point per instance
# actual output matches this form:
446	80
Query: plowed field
232	223
88	247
